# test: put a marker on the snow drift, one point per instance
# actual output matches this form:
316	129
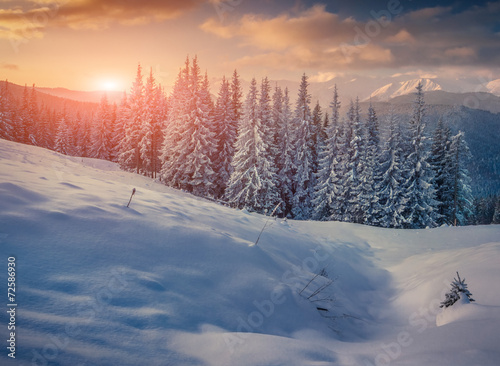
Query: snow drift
176	280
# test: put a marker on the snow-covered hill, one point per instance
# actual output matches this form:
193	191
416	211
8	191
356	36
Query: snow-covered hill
177	280
396	89
494	87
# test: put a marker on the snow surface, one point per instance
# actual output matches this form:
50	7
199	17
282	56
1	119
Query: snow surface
176	280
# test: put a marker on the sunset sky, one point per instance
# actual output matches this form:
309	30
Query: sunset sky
93	44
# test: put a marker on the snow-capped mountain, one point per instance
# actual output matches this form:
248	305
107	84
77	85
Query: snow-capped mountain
494	87
393	90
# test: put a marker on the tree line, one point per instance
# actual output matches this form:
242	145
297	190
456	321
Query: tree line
259	151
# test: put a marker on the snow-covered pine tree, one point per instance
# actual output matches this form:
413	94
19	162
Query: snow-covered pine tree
62	140
25	125
266	166
83	133
130	155
44	138
319	139
122	113
200	168
303	179
101	134
36	133
236	98
353	184
6	107
244	184
390	189
327	181
370	175
496	214
226	129
285	162
459	155
175	127
458	291
440	163
150	128
421	207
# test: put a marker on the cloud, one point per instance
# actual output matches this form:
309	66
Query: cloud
403	36
7	66
30	21
317	38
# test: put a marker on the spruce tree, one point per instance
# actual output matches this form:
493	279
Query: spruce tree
6	108
269	196
370	175
327	182
392	198
353	184
458	291
226	129
245	182
459	155
62	143
304	139
101	136
285	162
441	165
174	128
130	154
421	207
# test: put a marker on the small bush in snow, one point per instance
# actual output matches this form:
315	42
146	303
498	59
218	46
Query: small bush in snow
457	291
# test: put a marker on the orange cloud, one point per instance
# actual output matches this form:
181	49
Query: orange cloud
87	14
403	36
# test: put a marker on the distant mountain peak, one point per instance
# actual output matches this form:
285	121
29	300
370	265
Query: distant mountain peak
494	87
397	89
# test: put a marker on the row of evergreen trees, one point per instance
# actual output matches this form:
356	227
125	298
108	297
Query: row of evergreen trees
259	152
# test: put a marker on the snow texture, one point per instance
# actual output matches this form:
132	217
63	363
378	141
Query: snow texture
176	279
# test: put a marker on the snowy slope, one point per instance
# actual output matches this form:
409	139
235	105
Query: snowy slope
394	90
494	87
176	280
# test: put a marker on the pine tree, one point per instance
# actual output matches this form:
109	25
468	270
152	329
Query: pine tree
285	162
421	209
269	196
226	129
6	107
390	189
458	291
353	185
36	133
200	168
23	130
326	190
130	155
62	143
496	214
245	183
441	165
101	134
147	145
175	128
303	180
459	154
236	95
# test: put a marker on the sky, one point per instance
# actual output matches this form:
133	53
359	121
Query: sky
95	45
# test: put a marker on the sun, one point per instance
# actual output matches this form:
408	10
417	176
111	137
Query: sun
108	85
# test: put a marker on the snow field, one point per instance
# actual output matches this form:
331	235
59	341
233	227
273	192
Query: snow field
176	280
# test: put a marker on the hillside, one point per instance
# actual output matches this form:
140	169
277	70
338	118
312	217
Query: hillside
177	280
54	102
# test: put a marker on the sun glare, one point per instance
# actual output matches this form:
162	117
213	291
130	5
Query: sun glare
109	85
